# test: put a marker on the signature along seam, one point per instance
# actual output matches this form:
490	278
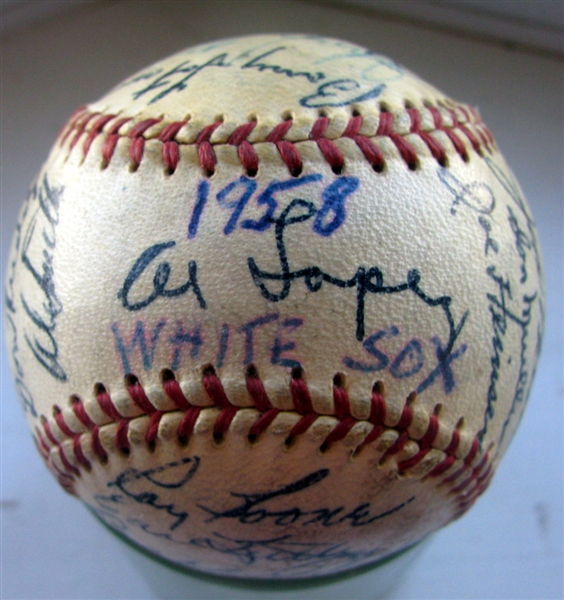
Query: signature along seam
468	474
459	128
436	127
74	435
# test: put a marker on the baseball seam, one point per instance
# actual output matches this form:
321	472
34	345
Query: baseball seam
71	437
442	130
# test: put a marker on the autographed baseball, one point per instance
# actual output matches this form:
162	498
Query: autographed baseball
274	306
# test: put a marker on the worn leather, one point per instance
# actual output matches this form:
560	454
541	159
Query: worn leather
122	265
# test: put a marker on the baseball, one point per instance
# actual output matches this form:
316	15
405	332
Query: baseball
274	306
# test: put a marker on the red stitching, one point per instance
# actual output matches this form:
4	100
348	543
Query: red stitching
186	427
95	131
77	449
377	416
303	405
71	469
171	151
456	142
279	131
247	154
343	414
70	124
173	391
371	152
97	447
386	124
214	388
472	129
109	145
59	418
137	146
257	392
466	484
153	429
425	444
106	404
331	153
81	127
138	396
473	452
80	412
43	448
287	150
206	152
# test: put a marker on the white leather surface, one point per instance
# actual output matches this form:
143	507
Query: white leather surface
542	511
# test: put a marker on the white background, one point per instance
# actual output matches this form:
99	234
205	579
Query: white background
510	544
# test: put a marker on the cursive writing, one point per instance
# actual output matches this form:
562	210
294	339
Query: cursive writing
516	197
510	305
177	78
12	334
39	298
279	60
475	195
259	63
365	281
255	508
160	279
522	242
291	555
502	317
132	484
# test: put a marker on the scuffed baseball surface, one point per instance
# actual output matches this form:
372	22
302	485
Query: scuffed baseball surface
274	306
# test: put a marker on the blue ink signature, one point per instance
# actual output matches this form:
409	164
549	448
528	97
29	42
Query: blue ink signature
236	196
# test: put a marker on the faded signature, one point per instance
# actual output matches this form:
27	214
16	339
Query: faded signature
278	59
171	476
39	297
510	305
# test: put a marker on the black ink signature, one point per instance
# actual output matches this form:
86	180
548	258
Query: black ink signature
502	317
301	558
290	555
160	279
257	63
526	244
39	300
502	304
340	92
522	243
516	196
26	399
366	281
337	92
163	477
295	556
253	510
166	81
